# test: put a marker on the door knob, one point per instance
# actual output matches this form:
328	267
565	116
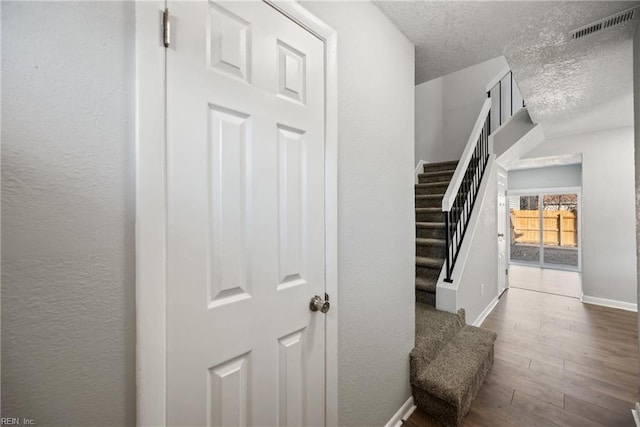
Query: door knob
500	235
318	304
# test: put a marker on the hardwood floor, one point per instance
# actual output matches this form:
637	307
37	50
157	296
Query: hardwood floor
558	362
559	282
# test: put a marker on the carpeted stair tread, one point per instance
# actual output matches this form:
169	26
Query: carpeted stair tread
447	376
429	167
432	184
435	176
430	242
434	330
447	386
431	323
429	196
428	200
430	225
438	172
425	285
429	262
430	210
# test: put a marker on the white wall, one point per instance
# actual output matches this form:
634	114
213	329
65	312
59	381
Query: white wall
429	122
68	213
608	209
512	132
447	109
376	211
547	177
477	262
481	266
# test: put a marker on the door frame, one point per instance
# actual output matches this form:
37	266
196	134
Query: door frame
504	216
151	208
545	192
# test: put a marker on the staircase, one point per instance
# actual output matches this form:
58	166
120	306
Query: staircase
430	228
451	359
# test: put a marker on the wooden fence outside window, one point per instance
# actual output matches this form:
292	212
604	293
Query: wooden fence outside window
560	227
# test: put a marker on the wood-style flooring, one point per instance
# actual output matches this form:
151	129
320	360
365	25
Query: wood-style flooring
558	362
559	282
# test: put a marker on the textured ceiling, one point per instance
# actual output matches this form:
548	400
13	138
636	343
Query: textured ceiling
558	77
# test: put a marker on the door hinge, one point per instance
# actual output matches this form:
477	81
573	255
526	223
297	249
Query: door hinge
166	28
506	271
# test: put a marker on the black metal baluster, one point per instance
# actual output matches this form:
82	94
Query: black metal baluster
511	77
500	102
447	243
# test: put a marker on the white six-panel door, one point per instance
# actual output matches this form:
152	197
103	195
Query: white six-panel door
245	221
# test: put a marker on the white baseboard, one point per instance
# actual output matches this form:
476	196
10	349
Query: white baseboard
402	414
486	312
635	412
419	168
622	305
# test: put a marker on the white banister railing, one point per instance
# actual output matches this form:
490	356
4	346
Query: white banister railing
461	195
459	174
462	192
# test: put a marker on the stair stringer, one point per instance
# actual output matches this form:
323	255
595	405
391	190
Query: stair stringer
464	291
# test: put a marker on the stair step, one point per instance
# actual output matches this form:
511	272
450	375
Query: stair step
428	262
436	196
428	200
430	242
424	297
433	230
431	188
437	173
428	267
432	167
431	248
432	184
438	176
430	225
425	285
431	214
445	387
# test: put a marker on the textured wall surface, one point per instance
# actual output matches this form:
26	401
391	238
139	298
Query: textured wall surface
376	217
68	213
608	209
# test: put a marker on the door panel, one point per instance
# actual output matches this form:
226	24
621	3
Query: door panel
524	217
561	238
245	224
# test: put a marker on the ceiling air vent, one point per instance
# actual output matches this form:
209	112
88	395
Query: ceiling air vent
610	21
